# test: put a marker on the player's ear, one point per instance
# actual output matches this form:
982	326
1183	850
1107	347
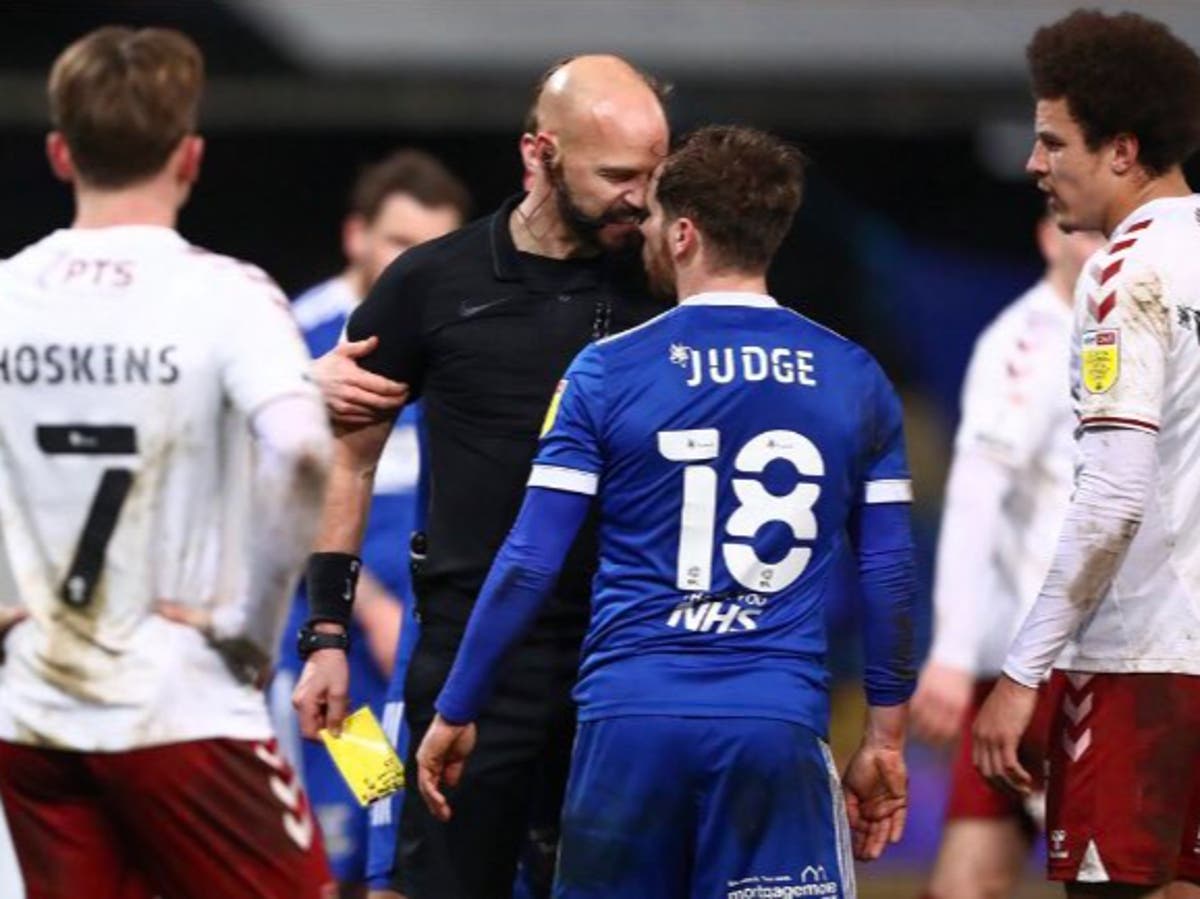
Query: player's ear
59	156
684	238
191	155
1123	149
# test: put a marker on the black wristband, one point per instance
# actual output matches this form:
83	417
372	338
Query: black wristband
330	581
309	641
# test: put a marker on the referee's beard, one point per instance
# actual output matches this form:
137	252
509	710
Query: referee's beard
589	230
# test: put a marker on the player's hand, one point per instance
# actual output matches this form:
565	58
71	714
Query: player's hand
9	618
876	789
322	694
941	702
248	662
997	734
353	395
440	759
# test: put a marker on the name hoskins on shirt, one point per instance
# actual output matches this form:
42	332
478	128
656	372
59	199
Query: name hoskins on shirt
104	364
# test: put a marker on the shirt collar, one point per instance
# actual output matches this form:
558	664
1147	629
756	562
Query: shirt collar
510	264
505	262
1149	210
120	233
728	298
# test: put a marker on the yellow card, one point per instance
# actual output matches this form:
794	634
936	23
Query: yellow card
365	758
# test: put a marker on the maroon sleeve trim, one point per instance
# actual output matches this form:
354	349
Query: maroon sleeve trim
1113	421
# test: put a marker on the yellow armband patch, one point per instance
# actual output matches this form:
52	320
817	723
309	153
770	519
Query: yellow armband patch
1100	360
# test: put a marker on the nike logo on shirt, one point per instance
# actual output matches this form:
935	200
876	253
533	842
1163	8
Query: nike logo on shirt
466	310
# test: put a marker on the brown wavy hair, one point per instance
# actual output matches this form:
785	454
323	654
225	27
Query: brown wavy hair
740	186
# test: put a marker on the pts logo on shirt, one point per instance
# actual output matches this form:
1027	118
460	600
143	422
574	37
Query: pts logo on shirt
705	613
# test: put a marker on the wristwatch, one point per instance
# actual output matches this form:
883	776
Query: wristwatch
309	641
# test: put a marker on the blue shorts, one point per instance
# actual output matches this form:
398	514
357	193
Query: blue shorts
703	808
384	814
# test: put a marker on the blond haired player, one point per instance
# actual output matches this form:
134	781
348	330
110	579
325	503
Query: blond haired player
1005	500
162	460
1118	112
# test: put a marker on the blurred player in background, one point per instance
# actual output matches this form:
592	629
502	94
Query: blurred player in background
164	458
1118	112
700	767
482	324
399	202
1005	500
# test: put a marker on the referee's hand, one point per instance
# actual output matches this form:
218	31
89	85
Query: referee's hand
440	759
322	694
353	395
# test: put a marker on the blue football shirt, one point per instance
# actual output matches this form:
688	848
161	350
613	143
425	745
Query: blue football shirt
728	442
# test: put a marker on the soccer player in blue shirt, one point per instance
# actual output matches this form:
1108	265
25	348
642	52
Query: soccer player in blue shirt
733	447
403	200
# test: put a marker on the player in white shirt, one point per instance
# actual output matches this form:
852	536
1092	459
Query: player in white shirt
1118	111
1007	492
162	463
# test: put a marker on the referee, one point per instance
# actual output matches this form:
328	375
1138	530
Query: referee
481	324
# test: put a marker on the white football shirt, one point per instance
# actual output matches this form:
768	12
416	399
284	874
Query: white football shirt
1137	338
130	362
1016	410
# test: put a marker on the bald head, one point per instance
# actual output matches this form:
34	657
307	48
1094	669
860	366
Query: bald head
590	96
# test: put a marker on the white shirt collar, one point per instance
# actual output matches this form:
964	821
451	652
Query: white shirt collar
1148	210
728	298
117	233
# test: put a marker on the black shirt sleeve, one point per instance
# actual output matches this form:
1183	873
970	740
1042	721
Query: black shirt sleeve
394	311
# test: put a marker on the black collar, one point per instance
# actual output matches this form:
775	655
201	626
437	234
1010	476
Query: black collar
505	261
509	264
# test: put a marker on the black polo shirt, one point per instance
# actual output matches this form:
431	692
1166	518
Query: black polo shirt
483	333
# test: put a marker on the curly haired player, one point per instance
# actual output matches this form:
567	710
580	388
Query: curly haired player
1118	112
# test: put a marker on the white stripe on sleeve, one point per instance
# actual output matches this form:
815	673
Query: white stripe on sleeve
569	479
892	491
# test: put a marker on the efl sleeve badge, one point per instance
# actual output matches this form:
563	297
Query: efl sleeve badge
1100	360
552	412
